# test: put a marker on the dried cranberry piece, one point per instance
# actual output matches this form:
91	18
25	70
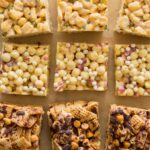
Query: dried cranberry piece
20	113
66	147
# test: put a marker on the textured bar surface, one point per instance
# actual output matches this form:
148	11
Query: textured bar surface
81	66
20	127
24	69
128	129
74	125
132	70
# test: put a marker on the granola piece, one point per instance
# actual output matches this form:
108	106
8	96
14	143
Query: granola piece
132	70
71	129
81	66
23	18
75	16
132	133
20	133
134	18
24	69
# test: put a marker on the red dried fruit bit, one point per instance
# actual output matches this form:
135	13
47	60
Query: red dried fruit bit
45	57
60	86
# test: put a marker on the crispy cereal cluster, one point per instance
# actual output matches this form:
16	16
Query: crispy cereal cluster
132	70
135	17
82	15
20	127
71	129
129	129
81	66
23	17
24	69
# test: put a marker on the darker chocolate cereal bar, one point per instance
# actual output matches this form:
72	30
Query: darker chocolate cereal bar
74	126
128	129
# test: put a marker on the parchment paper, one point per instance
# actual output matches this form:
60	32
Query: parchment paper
104	98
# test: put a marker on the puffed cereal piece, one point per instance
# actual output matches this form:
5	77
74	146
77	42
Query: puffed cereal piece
81	66
132	70
20	127
134	18
24	69
78	133
128	128
22	18
76	16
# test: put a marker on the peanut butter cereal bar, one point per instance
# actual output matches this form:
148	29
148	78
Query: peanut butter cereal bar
74	126
132	70
128	129
82	15
134	17
81	66
20	127
24	17
24	69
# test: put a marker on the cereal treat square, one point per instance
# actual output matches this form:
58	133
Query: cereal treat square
132	70
134	17
81	66
128	129
20	127
82	15
74	126
24	69
24	17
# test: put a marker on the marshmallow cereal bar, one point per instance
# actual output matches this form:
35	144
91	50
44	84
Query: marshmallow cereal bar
82	15
74	126
132	70
134	17
24	17
24	69
20	127
128	129
81	66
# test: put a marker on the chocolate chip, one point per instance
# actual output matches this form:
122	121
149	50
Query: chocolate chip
94	110
8	130
20	113
66	147
3	110
113	120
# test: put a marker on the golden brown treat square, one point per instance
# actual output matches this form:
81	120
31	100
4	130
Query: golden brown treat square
128	128
82	15
23	17
20	127
132	70
74	125
81	66
134	17
24	69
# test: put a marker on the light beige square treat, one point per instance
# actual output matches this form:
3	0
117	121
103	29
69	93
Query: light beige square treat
24	17
132	70
24	69
82	15
75	126
20	127
81	66
128	128
134	17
